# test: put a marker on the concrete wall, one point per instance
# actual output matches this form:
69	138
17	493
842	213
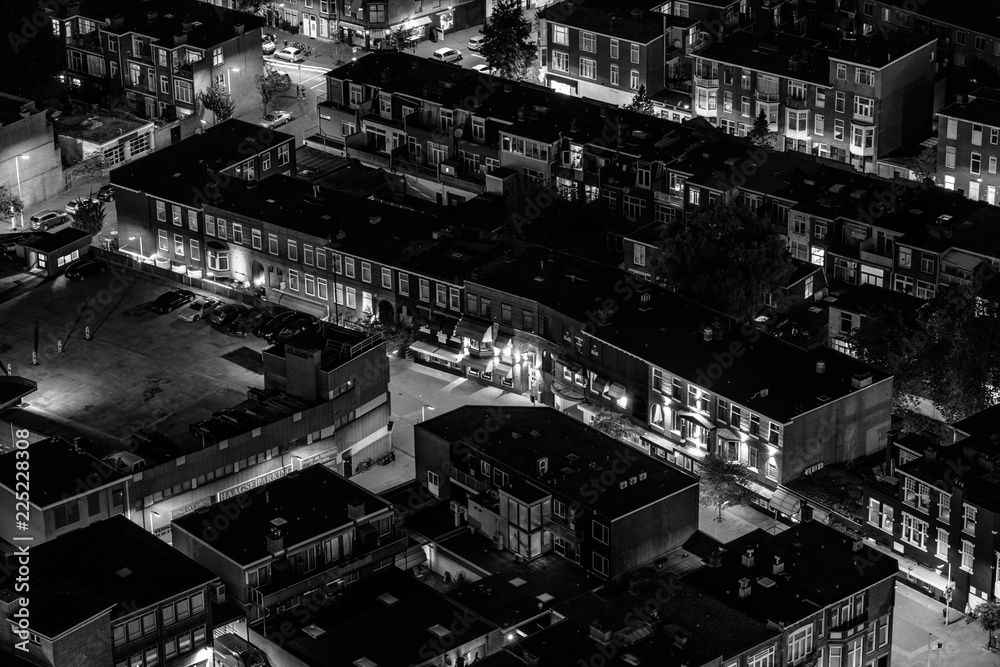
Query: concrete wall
653	530
41	172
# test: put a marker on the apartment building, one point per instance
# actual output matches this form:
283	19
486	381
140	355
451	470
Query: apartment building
846	104
969	145
124	598
280	549
530	485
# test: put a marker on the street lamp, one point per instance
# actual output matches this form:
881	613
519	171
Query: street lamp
948	591
423	411
133	238
17	171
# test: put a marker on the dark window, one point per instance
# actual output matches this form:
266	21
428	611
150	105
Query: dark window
94	504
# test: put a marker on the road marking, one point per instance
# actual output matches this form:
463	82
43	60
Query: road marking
321	83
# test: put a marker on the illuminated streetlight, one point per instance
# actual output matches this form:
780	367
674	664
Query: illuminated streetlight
423	413
17	171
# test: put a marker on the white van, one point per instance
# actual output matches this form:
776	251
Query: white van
125	462
234	651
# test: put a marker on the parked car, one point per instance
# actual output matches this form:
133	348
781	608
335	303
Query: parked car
82	268
231	283
125	462
155	443
476	42
275	119
292	54
233	651
269	44
294	327
275	324
172	300
483	68
199	308
448	55
227	312
246	323
47	219
74	206
107	193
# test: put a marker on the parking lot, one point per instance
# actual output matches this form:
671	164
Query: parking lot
139	369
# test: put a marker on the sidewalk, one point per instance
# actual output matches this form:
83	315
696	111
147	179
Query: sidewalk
918	621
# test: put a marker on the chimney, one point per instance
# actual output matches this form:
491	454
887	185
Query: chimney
861	380
779	566
858	545
707	333
315	192
744	588
274	542
820	367
355	510
930	454
748	558
637	14
715	558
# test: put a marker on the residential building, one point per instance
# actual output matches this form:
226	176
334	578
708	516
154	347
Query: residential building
848	311
311	531
845	104
123	598
537	481
969	146
163	53
117	139
73	490
29	157
939	510
367	24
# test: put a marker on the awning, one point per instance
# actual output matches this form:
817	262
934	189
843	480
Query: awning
504	370
474	329
696	418
571	366
447	354
502	341
130	250
425	348
785	502
212	244
418	22
481	364
726	434
615	390
320	310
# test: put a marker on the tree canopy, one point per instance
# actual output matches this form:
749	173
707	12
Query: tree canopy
761	134
10	203
89	217
925	164
507	44
987	615
641	102
724	484
726	256
948	352
615	424
272	83
217	99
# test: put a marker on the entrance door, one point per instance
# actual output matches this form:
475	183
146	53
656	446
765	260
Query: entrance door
348	465
309	28
175	135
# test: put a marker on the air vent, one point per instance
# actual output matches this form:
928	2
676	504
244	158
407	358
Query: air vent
314	631
387	599
124	572
439	631
539	279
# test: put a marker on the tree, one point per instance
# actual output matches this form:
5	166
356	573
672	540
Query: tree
217	99
640	102
506	41
614	424
94	168
947	352
761	134
988	616
396	334
727	257
272	83
89	217
114	98
10	204
256	7
724	484
397	38
925	165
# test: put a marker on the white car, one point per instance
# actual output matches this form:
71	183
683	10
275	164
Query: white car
291	54
275	119
198	309
448	55
483	68
476	42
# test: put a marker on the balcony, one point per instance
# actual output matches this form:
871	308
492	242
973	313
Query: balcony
766	95
185	70
467	480
140	57
88	42
702	82
796	103
360	147
139	87
272	594
869	253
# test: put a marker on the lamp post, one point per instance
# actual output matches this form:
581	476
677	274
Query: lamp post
423	411
17	172
133	238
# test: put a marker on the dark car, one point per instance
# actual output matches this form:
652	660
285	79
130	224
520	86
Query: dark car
226	313
150	442
240	420
83	268
275	324
107	193
294	327
171	300
246	323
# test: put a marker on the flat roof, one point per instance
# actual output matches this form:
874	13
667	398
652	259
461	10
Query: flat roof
981	107
820	568
770	52
181	172
112	560
881	49
52	241
864	299
609	17
979	17
311	501
14	388
59	472
390	619
959	464
11	107
829	194
575	453
95	128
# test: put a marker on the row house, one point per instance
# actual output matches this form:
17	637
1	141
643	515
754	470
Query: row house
367	23
163	54
277	552
161	198
969	146
848	312
940	511
521	488
124	599
843	104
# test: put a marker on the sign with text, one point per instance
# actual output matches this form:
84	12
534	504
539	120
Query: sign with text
187	509
254	483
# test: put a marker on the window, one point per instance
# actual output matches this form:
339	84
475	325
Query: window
819	121
366	272
588	68
560	61
386	277
178	245
217	57
293	280
348	267
772	468
351	298
322	289
404	284
949	157
560	35
600	564
164	85
614	75
969	519
440	295
745	108
175	215
634	52
588	43
425	289
977	134
763	659
914	531
942	544
310	285
272	244
283	154
265	162
865	77
841	73
600	532
993	165
221	225
975	163
864	107
614	48
639	254
838	129
167	611
840	103
960	37
952	131
183	609
800	643
967	555
745	80
293	251
927	264
633	80
505	313
195	250
237	233
905	257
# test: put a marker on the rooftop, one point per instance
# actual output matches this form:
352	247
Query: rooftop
882	49
114	563
666	330
311	502
183	171
829	194
96	129
962	464
575	454
821	567
11	108
50	241
980	107
390	619
60	472
778	53
867	298
979	17
13	389
336	344
609	17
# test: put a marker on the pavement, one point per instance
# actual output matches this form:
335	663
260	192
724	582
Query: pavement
919	624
